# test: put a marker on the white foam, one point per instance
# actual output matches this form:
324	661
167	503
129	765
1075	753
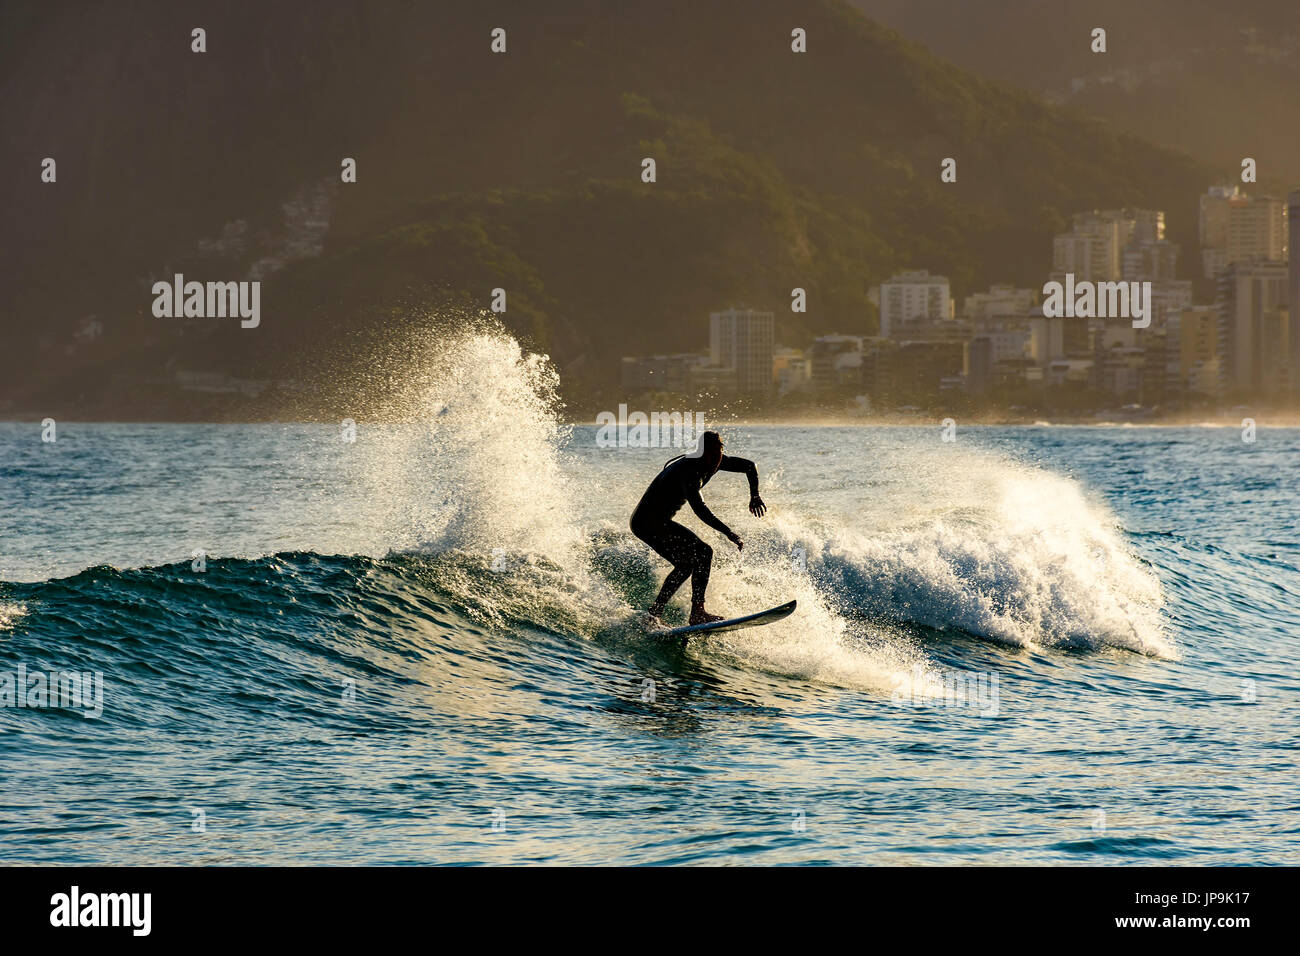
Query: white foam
946	537
478	479
1001	550
11	614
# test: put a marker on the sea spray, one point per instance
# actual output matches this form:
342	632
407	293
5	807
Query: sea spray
473	478
974	541
475	463
481	482
819	642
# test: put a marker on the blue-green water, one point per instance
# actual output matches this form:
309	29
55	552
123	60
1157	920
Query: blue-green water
421	647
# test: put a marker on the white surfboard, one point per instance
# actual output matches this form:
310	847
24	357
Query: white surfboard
730	624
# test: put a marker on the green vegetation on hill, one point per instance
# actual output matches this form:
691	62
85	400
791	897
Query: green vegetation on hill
522	171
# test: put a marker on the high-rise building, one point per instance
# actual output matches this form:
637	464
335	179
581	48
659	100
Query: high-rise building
1168	298
1090	256
742	339
1214	213
1293	300
1252	297
1150	260
990	354
1046	339
977	365
1274	352
1257	230
920	368
1235	227
1196	360
791	370
1148	225
1006	344
983	308
912	299
832	360
1093	248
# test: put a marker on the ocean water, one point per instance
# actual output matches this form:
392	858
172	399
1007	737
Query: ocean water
1035	645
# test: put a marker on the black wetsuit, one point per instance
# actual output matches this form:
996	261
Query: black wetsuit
679	483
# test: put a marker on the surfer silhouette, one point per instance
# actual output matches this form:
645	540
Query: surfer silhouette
677	484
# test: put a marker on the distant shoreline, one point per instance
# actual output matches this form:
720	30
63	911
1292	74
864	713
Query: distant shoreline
1263	419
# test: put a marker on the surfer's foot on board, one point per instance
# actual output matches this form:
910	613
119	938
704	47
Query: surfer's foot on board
701	616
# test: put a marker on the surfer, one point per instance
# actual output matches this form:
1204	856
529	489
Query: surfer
677	484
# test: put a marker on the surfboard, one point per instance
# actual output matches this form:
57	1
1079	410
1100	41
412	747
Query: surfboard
730	624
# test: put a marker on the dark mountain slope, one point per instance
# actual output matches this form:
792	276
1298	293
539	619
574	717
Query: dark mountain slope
775	170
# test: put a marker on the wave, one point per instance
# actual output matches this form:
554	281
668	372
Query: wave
1015	555
479	514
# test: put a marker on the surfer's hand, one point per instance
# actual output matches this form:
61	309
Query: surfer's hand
756	507
740	545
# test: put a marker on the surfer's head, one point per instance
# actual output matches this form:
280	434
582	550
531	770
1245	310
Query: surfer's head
711	452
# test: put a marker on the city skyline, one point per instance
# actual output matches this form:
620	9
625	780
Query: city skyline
1244	250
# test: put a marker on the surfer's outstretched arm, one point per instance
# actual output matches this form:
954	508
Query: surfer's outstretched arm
750	470
709	518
